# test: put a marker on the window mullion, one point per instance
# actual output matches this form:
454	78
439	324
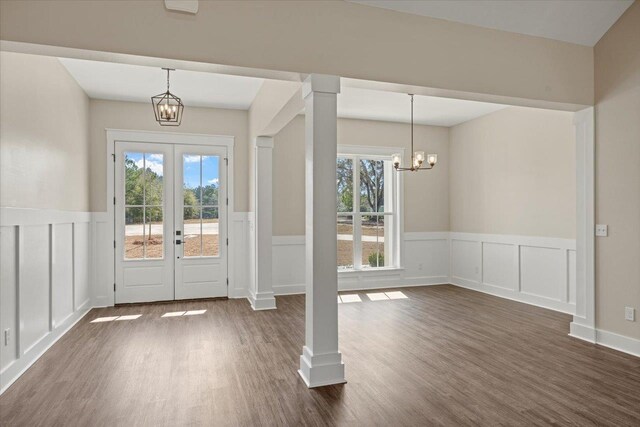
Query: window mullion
357	217
144	203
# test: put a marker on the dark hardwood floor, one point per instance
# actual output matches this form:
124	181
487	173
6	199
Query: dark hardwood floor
444	356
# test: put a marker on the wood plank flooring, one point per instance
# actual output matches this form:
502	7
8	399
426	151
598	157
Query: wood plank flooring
443	356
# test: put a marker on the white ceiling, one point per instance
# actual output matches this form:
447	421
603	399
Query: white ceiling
136	83
354	103
576	21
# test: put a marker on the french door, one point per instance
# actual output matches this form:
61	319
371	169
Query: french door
170	220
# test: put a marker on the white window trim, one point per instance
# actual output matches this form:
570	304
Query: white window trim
397	208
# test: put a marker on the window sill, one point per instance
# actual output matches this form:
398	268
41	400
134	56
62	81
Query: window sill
370	271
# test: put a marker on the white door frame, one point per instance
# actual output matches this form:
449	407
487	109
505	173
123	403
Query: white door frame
114	135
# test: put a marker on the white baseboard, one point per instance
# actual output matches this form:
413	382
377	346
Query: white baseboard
293	289
514	296
237	293
618	342
299	289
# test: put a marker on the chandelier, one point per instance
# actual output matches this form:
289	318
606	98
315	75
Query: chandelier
417	157
167	107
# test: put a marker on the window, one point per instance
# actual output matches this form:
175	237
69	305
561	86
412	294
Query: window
367	205
143	211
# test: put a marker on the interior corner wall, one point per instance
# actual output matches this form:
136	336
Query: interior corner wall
513	172
617	126
139	116
426	195
512	189
44	140
45	228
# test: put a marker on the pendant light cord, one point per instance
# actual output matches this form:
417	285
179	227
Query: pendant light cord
412	152
168	80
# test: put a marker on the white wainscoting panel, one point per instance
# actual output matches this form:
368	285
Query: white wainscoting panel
534	270
466	259
33	287
426	262
45	288
82	264
426	258
239	268
495	270
288	262
62	273
8	296
102	270
543	272
572	276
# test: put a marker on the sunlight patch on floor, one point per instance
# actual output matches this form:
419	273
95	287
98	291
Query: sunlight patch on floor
396	295
350	298
112	318
377	296
174	314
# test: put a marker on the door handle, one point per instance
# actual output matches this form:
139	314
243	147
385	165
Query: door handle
178	242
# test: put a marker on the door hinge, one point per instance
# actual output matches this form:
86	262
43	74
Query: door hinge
227	281
227	201
226	161
114	157
114	244
114	287
227	241
114	200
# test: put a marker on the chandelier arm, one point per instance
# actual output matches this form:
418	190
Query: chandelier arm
412	152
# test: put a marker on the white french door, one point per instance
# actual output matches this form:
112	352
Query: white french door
170	221
200	217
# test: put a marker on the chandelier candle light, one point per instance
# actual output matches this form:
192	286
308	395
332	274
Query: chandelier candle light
167	107
417	157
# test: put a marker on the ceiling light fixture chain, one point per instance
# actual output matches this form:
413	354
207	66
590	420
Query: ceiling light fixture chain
417	157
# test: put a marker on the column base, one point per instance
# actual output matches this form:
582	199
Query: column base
321	370
262	301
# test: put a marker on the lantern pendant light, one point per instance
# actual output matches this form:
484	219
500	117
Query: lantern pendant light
167	107
417	157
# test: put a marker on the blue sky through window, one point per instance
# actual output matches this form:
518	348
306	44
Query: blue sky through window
191	170
191	165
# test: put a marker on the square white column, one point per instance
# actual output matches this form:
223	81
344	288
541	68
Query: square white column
261	292
321	362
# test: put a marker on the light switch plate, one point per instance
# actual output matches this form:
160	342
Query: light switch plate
630	314
602	230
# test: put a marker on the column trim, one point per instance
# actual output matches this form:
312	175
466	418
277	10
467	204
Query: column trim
261	294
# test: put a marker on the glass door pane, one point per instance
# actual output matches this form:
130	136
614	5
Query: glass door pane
201	185
143	208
